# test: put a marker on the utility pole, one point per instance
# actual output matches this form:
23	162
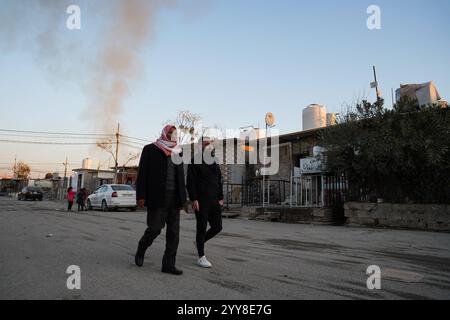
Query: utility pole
15	167
392	96
264	175
375	85
117	153
65	172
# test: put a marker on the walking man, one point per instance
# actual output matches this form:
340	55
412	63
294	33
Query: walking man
160	187
205	187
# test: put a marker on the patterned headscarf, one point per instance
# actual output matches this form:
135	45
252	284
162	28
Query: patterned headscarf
165	144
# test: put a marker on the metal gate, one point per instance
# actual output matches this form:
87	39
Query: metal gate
317	191
306	191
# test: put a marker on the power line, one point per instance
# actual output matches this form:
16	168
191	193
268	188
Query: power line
139	139
132	146
37	163
50	143
134	142
67	135
49	137
59	133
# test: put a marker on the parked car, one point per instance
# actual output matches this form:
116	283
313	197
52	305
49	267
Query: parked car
113	196
30	193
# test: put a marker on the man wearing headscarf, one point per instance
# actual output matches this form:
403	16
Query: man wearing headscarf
160	187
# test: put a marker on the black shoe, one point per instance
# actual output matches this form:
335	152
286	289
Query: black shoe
139	257
139	260
172	270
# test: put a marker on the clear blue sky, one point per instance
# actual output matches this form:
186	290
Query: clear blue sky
227	60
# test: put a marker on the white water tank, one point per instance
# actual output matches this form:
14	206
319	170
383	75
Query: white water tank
87	164
314	116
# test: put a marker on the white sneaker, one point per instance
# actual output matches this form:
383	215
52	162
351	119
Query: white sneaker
204	263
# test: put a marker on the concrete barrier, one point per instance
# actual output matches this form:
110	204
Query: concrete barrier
294	215
410	216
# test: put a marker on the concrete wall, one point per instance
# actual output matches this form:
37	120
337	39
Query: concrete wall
411	216
293	215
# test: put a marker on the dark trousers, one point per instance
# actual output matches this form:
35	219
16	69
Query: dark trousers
69	205
156	220
81	206
213	215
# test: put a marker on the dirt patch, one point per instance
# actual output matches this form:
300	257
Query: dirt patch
235	235
432	262
233	285
237	260
303	245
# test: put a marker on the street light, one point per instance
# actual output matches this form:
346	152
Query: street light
270	123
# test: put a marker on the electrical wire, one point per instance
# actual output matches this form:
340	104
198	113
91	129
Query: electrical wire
59	133
49	137
132	146
139	139
50	143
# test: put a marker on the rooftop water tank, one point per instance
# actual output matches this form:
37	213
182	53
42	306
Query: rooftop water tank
87	164
314	117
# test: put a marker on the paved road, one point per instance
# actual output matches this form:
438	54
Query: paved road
252	260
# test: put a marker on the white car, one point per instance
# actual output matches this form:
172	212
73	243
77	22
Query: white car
113	196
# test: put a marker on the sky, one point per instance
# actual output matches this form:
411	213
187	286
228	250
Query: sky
229	61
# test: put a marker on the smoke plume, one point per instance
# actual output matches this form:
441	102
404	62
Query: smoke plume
106	74
118	64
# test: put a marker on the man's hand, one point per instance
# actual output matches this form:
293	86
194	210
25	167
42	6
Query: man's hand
221	203
196	206
141	203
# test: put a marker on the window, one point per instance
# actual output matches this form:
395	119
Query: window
122	188
101	189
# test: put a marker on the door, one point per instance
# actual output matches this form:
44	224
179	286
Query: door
103	194
95	197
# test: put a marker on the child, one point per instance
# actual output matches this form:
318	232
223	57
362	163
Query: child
85	196
70	198
80	200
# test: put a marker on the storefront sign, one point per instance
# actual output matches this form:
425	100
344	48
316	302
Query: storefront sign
311	165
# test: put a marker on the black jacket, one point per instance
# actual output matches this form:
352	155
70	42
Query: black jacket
152	176
204	183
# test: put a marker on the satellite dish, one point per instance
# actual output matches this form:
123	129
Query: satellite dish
270	119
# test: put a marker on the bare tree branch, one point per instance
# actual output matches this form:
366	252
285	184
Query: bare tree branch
189	127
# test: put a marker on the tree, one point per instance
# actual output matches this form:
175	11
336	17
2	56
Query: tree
190	128
400	155
131	157
107	146
22	170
